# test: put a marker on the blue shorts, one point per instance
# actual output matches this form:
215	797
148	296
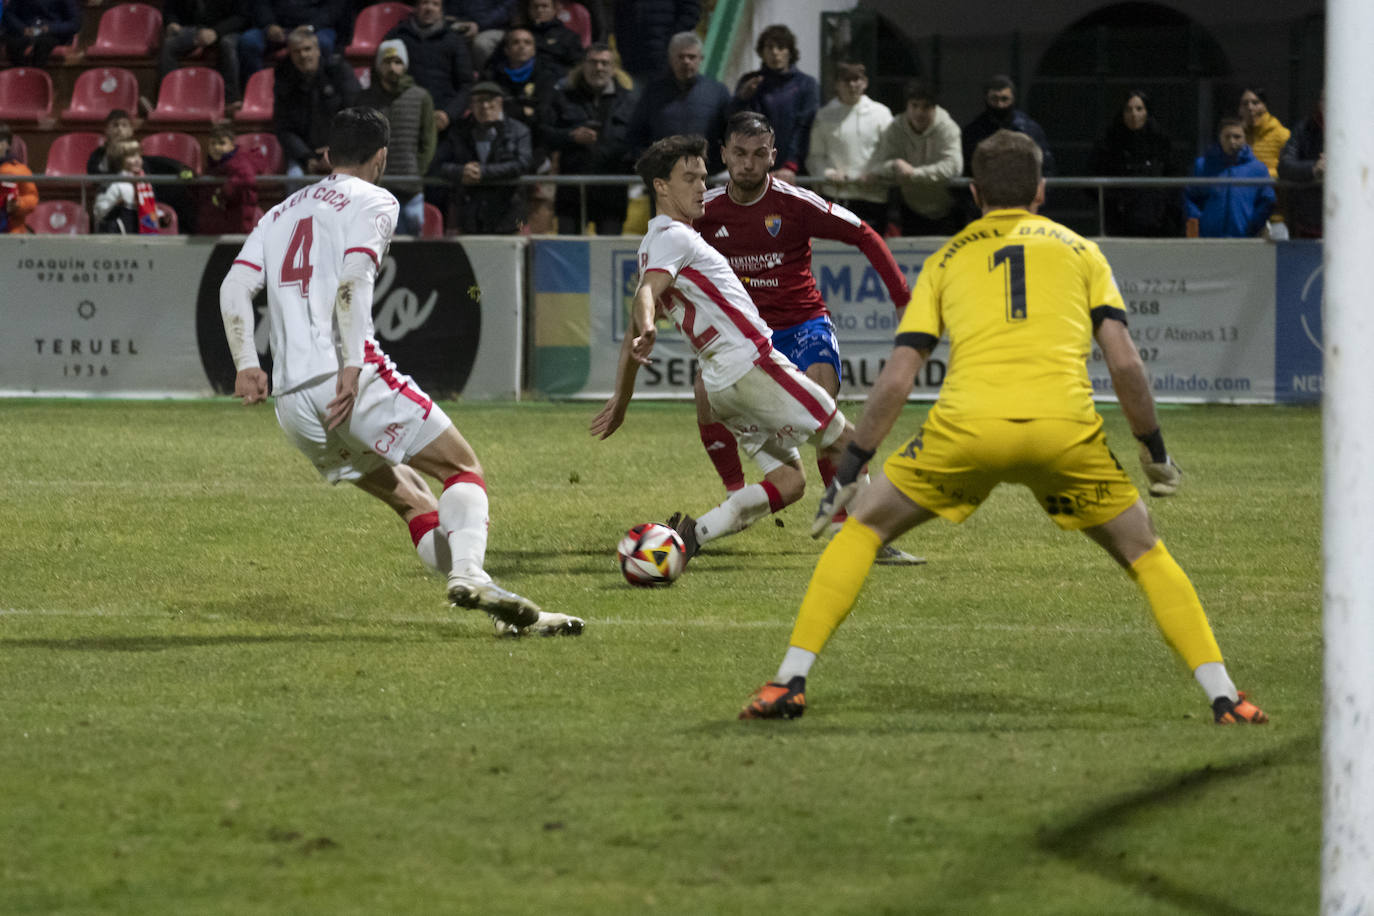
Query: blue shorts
810	342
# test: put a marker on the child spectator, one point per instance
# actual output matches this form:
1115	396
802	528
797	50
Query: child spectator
17	198
128	207
230	208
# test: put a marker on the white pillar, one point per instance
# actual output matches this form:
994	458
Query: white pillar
1348	434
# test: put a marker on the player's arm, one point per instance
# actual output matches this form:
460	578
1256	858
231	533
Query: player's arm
1132	387
241	284
635	348
352	305
881	411
831	221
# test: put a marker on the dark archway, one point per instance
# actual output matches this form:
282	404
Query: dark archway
1083	78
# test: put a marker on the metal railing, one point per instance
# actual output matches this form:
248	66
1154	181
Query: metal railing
1100	185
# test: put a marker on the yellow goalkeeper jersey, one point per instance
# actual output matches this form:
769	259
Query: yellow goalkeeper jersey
1017	293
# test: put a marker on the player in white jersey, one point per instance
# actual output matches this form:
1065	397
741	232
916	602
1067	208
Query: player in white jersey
338	397
769	404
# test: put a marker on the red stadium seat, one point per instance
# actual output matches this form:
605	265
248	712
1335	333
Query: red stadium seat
163	210
267	148
575	17
69	152
184	148
127	30
25	94
99	90
257	97
59	217
372	24
190	94
433	227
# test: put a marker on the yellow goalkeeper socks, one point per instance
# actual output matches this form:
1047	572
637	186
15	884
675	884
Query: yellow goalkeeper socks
835	585
1176	607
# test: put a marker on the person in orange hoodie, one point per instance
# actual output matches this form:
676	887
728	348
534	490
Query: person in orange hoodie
17	198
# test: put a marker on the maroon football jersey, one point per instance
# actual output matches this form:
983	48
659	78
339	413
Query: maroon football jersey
768	246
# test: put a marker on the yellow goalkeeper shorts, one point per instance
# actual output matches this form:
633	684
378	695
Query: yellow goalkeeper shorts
950	467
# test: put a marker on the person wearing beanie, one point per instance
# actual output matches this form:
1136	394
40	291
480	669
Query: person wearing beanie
410	111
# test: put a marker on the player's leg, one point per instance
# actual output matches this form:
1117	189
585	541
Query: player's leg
881	512
718	441
1130	540
918	482
1081	486
407	494
782	485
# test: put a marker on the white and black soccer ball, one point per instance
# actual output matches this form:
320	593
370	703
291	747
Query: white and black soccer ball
651	555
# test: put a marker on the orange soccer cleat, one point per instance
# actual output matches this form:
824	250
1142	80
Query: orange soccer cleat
777	701
1242	711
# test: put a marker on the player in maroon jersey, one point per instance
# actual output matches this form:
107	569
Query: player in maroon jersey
764	228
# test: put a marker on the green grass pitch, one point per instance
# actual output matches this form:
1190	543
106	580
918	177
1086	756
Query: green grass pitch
227	689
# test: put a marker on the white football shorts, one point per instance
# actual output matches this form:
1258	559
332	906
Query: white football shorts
774	409
392	420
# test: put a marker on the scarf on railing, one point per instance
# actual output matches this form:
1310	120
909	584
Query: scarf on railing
147	209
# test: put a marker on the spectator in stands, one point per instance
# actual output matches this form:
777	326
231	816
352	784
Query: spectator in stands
483	23
440	60
34	27
783	94
410	112
17	198
275	21
489	147
588	125
1000	113
1266	136
192	25
1228	211
128	207
1264	133
1134	146
643	31
526	81
230	208
843	137
308	91
1304	159
682	101
920	151
554	42
118	126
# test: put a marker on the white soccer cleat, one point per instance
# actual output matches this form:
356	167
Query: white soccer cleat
547	625
896	556
485	595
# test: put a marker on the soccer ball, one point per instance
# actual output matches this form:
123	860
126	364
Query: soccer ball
651	555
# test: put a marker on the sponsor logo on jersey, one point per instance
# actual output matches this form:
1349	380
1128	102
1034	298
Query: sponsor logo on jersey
773	223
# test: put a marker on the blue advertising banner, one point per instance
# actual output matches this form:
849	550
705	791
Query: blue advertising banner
1298	322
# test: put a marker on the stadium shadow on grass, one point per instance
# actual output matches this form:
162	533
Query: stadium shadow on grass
1080	841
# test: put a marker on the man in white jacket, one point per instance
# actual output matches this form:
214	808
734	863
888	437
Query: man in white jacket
919	152
843	137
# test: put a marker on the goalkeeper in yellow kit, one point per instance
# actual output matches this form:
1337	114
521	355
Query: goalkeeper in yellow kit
1022	298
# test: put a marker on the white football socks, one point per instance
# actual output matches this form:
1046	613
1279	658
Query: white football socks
740	510
463	518
1214	679
796	663
434	552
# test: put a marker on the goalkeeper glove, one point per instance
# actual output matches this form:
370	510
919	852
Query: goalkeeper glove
842	488
1164	475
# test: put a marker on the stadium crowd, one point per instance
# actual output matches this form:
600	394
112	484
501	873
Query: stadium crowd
483	91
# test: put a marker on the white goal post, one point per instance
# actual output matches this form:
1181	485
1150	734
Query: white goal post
1348	440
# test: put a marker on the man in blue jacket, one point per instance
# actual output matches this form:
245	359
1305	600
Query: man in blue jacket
1229	211
681	101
